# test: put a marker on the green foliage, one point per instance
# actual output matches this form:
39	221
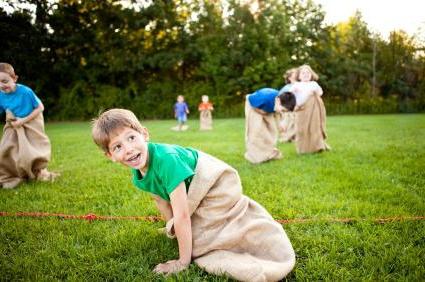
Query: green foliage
375	170
141	55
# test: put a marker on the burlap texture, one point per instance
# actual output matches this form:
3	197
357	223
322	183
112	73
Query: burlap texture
24	151
310	123
205	120
260	136
233	234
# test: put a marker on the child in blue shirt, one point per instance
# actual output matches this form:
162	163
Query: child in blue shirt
24	148
180	113
260	123
201	200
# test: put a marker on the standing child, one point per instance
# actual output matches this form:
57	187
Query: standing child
260	124
205	116
180	113
310	118
287	118
200	197
24	148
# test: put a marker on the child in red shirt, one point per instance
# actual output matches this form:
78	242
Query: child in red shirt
205	116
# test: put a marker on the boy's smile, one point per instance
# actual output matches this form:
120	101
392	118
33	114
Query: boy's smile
7	82
129	147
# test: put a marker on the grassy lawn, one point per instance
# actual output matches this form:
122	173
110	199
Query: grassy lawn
375	170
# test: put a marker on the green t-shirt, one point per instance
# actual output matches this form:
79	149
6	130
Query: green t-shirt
168	166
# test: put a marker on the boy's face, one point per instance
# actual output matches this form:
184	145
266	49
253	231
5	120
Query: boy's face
205	99
180	99
129	147
7	82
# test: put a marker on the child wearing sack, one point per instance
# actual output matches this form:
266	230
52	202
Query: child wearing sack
205	113
24	148
262	109
201	200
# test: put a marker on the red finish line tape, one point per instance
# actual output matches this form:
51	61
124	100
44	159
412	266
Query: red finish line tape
89	217
152	218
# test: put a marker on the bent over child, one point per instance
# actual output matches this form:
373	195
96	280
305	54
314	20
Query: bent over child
200	197
24	148
260	123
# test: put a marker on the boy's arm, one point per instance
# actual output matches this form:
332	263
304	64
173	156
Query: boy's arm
182	222
278	106
183	231
20	121
260	111
164	208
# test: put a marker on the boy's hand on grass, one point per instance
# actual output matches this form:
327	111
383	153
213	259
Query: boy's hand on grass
170	267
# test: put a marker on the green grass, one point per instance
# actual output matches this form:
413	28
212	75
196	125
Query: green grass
375	170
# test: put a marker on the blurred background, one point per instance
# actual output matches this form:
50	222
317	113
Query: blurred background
82	57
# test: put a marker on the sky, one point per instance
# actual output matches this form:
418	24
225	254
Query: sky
381	16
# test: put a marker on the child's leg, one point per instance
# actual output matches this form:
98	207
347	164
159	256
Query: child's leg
183	124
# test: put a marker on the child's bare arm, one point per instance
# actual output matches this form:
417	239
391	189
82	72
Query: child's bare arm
182	222
183	231
20	121
164	208
278	106
261	112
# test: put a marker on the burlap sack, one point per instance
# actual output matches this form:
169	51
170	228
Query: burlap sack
233	234
287	127
24	151
205	120
260	136
310	123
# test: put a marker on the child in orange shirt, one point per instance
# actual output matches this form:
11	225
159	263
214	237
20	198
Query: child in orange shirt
205	116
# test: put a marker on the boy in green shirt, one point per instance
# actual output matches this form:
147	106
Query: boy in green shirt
201	200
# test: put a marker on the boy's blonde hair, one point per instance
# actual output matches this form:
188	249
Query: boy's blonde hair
288	74
109	123
7	68
314	75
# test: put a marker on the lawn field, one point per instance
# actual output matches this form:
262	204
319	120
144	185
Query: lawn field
376	169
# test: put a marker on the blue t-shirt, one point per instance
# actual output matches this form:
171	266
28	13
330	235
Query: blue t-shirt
180	109
20	102
263	99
